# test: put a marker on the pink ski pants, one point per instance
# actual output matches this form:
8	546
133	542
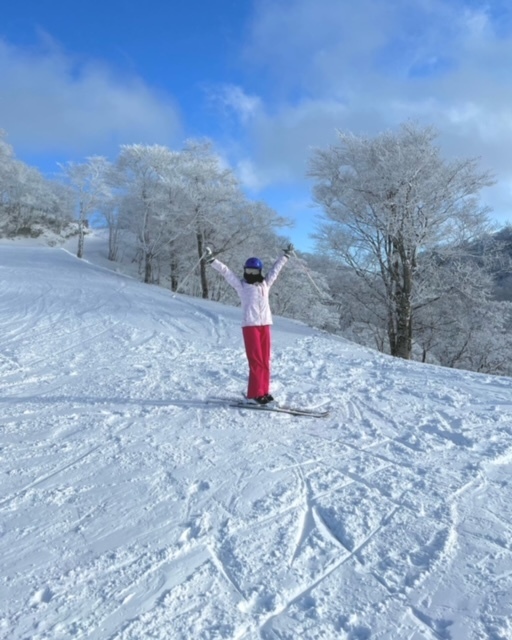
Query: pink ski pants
257	347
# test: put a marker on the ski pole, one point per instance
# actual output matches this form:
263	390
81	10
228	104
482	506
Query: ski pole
190	272
322	294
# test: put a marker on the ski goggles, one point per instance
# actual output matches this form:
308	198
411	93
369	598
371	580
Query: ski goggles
250	271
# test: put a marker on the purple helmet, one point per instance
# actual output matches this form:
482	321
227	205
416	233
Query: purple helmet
253	263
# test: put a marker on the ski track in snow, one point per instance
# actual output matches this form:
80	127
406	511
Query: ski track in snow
131	509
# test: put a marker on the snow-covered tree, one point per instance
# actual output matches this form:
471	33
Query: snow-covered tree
89	180
385	201
143	169
176	203
36	204
29	203
302	293
209	209
211	195
465	327
7	177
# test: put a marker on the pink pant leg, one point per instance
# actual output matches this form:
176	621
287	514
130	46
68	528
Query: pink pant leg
257	347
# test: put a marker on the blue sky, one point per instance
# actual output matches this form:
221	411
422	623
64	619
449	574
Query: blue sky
266	80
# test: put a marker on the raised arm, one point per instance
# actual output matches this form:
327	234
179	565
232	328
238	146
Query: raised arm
227	274
271	276
278	265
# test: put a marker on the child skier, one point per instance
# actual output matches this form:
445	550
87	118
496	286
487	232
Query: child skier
253	290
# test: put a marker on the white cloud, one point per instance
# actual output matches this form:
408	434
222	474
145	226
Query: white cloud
477	23
51	102
282	141
370	65
234	98
249	177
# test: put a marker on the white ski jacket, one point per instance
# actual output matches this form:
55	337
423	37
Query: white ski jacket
254	297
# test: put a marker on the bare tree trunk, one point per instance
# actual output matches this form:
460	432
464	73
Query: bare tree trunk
202	265
113	235
403	345
400	322
80	251
174	275
148	269
391	332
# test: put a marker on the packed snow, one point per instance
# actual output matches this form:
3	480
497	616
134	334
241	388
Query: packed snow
133	508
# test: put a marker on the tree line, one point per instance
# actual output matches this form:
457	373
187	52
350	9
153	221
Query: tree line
406	260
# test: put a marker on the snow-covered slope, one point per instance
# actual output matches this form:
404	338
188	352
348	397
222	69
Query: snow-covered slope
132	509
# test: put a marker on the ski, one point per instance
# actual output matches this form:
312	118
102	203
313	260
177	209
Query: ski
294	411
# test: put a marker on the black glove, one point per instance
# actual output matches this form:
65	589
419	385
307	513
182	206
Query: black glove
289	250
208	256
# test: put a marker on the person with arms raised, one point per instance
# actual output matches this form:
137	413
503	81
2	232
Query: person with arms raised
253	290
